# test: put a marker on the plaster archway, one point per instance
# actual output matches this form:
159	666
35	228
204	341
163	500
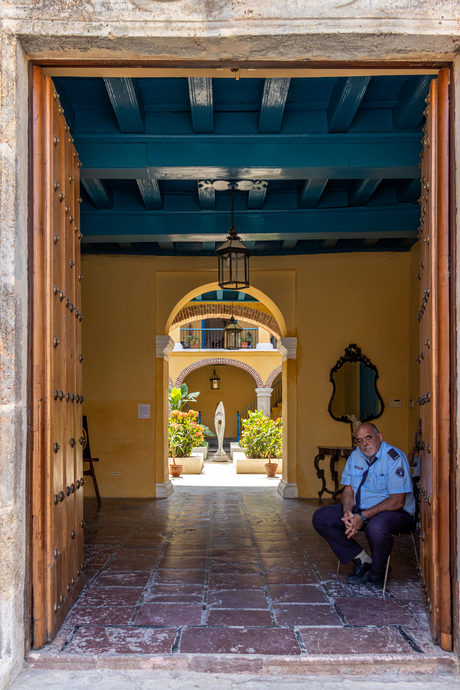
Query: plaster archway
220	360
197	312
254	292
273	376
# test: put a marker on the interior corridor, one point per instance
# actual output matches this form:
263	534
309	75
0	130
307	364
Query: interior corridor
231	571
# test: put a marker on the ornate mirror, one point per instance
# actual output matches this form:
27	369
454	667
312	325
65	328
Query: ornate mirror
354	388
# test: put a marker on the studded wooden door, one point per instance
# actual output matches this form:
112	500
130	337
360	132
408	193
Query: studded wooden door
57	451
434	400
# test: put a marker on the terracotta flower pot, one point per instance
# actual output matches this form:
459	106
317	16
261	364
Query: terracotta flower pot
270	468
175	470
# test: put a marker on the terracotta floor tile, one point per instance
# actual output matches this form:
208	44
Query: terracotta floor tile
238	641
297	594
185	563
110	596
125	579
174	594
235	581
294	577
168	614
239	617
237	599
226	567
355	641
306	614
128	640
98	615
186	577
381	611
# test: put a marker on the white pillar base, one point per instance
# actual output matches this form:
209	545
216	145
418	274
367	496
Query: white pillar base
287	490
164	490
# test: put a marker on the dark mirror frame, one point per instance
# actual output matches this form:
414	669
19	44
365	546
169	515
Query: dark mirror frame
353	354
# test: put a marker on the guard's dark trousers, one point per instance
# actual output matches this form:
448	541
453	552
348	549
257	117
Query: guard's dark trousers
379	531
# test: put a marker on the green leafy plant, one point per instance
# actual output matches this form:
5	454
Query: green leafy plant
262	437
179	397
184	433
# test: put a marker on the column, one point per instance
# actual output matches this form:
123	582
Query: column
287	488
263	400
164	345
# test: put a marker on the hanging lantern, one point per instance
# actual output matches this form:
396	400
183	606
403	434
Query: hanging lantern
232	335
215	382
233	257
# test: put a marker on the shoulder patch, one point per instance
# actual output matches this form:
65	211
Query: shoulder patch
393	454
400	472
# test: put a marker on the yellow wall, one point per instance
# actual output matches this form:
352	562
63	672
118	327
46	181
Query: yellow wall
236	392
327	301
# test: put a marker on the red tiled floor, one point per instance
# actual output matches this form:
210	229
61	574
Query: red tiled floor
238	641
97	640
237	599
383	611
191	574
168	614
355	641
239	617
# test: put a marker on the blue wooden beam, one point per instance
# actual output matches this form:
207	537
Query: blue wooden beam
126	246
206	195
329	244
250	244
408	111
151	194
99	193
126	101
241	296
399	220
166	246
272	105
409	191
289	244
361	191
201	157
345	100
201	104
311	193
220	295
256	195
199	298
209	246
370	242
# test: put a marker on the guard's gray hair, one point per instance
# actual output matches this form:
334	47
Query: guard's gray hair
369	424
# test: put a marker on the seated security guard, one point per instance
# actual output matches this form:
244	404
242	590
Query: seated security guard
377	498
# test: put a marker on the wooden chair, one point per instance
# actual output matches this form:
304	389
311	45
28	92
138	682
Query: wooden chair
87	458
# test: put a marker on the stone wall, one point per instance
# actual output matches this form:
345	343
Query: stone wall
183	30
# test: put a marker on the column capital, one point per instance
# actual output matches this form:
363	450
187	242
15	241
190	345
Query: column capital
287	347
165	345
260	392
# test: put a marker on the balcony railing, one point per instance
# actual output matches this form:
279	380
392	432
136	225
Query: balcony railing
213	338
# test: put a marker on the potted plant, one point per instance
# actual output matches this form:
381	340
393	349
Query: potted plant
184	433
263	438
195	341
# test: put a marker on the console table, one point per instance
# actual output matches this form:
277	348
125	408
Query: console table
335	452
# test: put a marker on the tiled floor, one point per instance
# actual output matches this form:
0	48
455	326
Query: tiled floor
230	571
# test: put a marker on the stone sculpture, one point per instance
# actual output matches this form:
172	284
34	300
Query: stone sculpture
219	423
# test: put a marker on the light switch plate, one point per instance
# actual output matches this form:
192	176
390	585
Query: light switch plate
411	402
395	402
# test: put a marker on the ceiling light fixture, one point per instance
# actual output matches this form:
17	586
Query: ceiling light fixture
233	257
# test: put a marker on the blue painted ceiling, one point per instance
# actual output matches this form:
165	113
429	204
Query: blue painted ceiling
322	164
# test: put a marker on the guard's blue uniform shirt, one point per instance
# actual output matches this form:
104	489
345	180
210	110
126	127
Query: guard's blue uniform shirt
389	474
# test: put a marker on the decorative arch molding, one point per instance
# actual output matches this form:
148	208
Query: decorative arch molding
273	376
196	312
219	360
171	383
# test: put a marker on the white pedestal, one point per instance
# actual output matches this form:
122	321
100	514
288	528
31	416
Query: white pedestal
164	490
287	490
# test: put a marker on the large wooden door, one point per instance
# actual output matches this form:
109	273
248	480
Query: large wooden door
434	399
57	451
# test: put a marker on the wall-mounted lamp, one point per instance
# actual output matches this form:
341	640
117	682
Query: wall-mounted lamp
215	382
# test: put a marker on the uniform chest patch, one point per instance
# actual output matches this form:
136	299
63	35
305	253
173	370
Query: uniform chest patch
400	472
358	468
393	454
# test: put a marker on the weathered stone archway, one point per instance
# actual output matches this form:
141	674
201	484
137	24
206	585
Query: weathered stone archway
224	311
276	372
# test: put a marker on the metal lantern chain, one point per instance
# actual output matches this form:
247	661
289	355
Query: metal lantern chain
233	257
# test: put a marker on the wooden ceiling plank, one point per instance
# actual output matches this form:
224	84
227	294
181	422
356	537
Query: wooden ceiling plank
126	101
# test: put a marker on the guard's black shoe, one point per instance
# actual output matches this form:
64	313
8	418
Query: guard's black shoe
375	580
360	572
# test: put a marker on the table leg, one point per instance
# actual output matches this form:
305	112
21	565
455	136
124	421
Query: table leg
335	476
320	473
